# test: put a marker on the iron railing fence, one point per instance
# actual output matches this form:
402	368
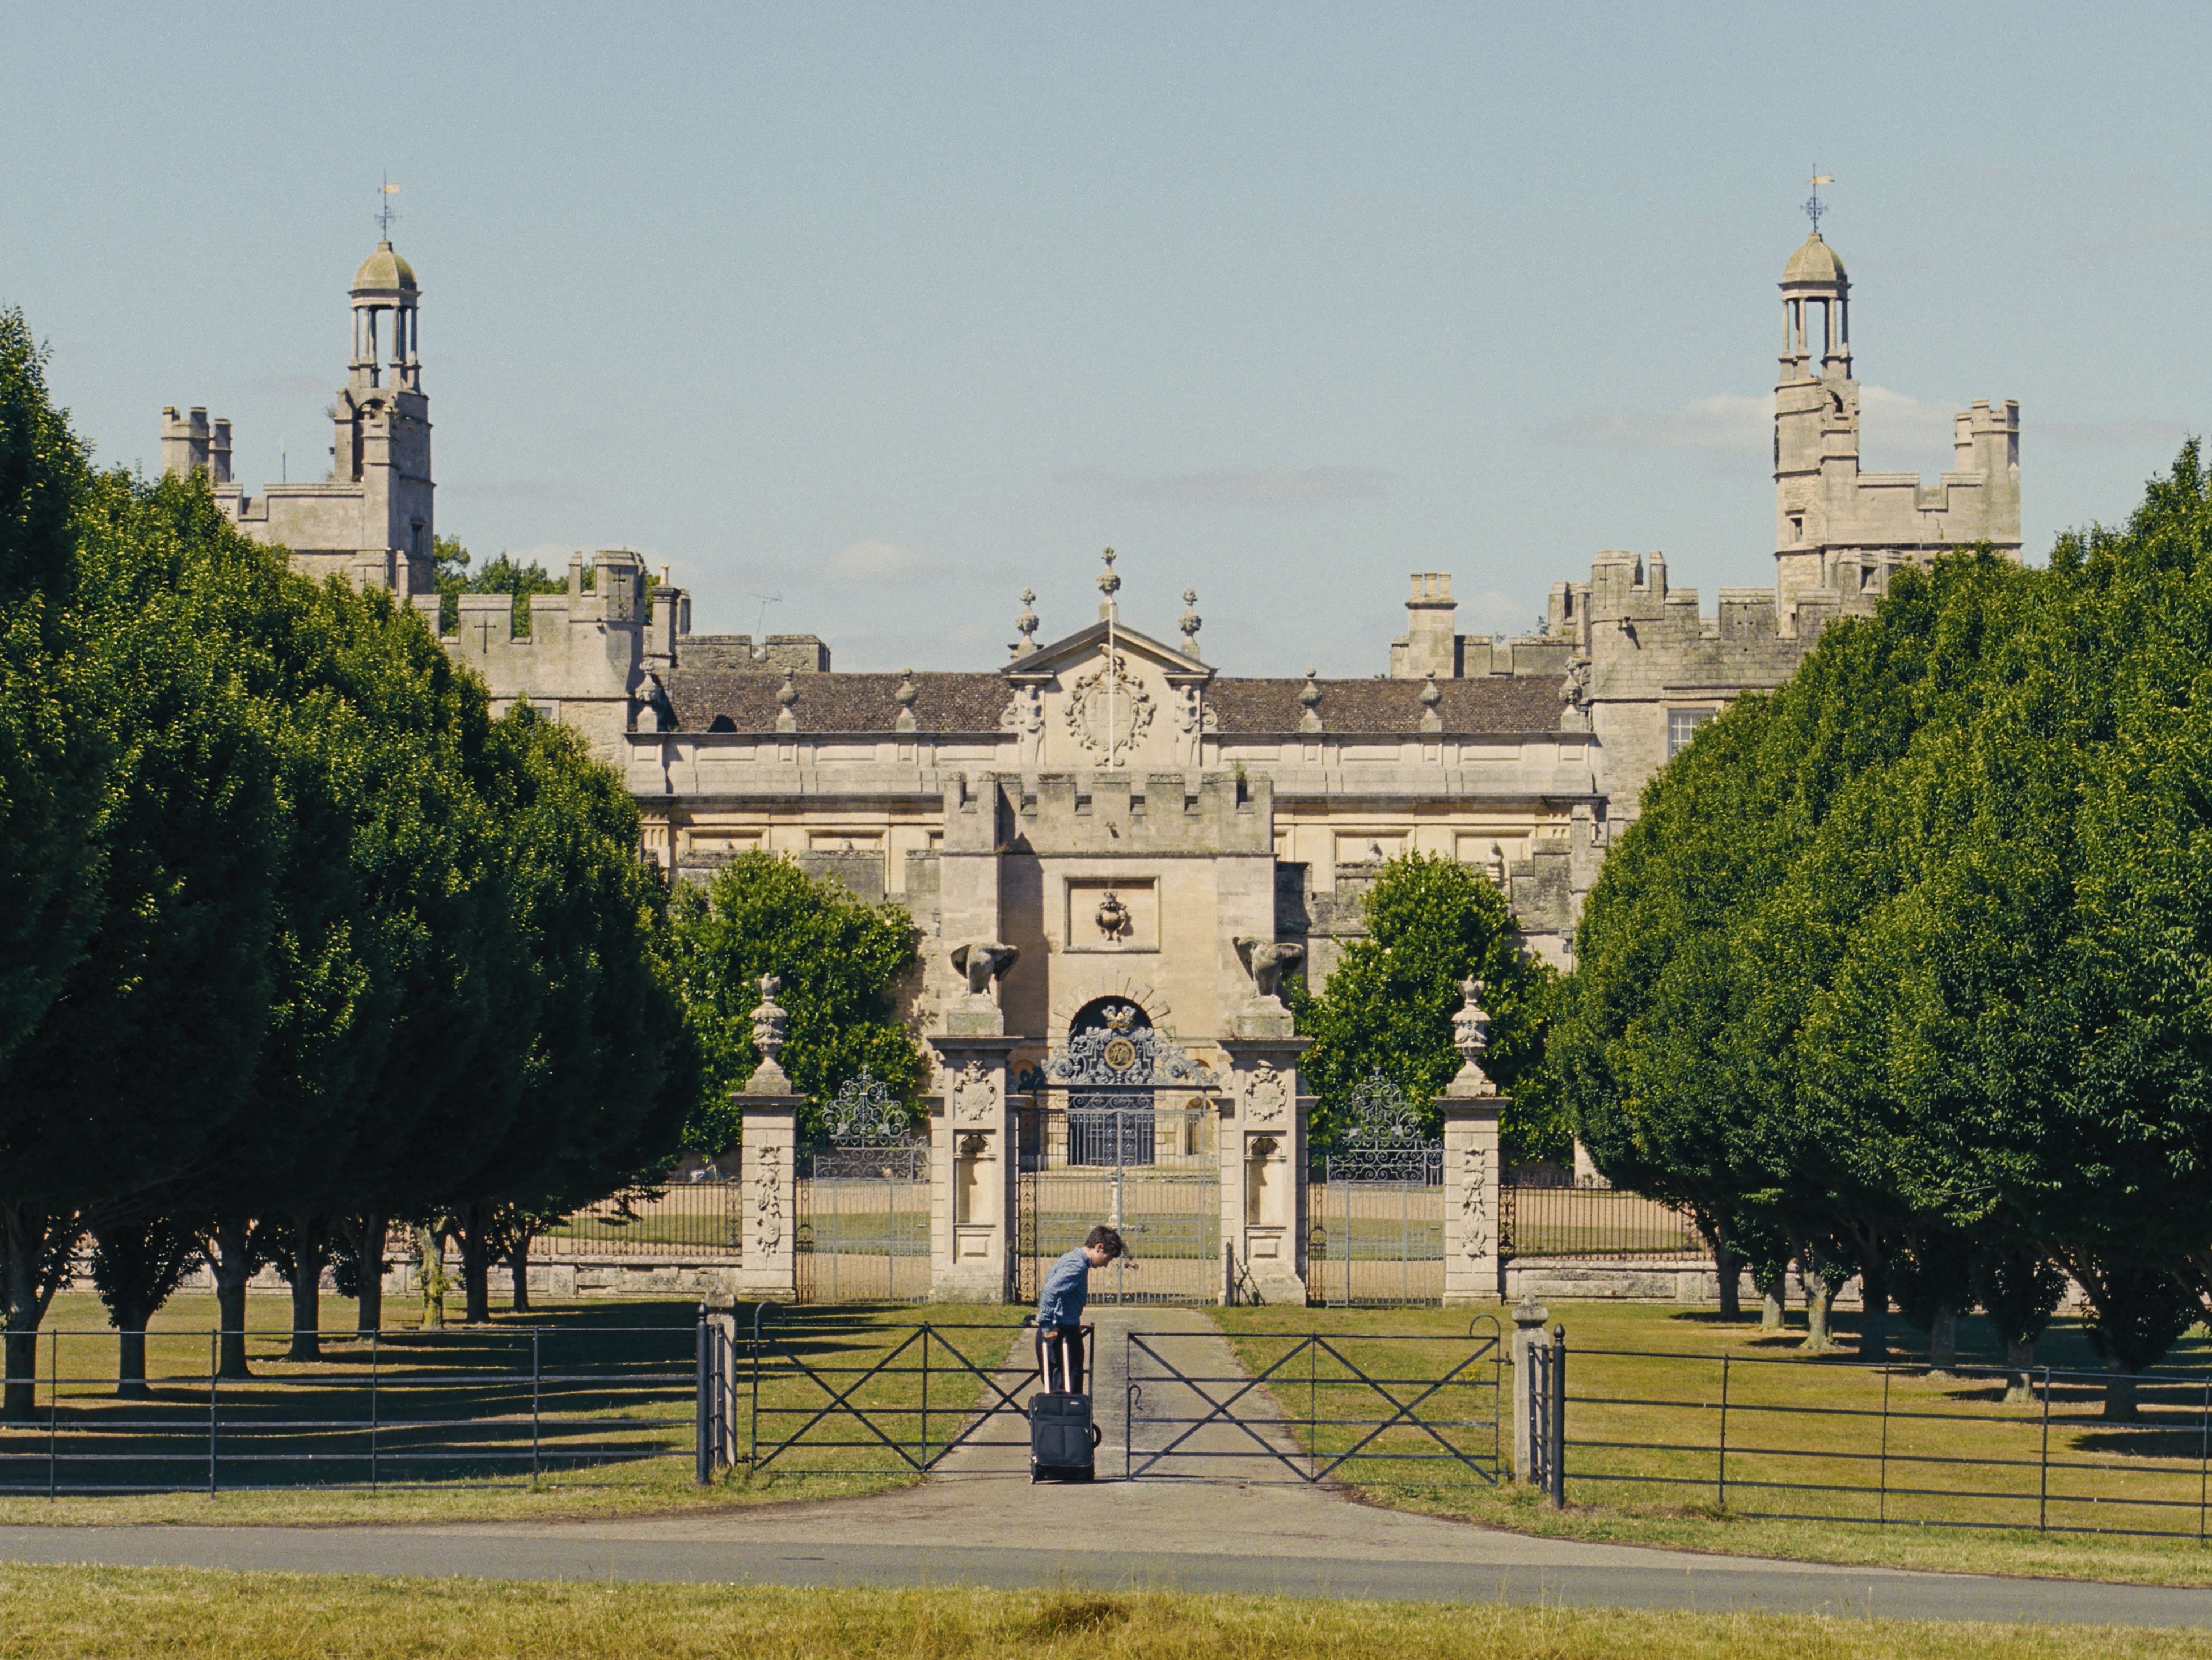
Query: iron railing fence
1567	1219
695	1221
469	1407
1780	1438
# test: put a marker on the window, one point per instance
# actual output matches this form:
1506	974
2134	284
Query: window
1681	727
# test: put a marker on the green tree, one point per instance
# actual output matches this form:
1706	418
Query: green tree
453	578
55	756
839	960
147	1057
1387	1006
608	1077
137	1262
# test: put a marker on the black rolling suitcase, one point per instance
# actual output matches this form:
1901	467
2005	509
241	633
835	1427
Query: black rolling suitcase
1063	1439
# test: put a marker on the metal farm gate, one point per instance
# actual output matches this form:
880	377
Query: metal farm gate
1123	1128
1375	1208
863	1201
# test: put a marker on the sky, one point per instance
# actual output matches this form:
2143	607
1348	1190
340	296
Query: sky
863	318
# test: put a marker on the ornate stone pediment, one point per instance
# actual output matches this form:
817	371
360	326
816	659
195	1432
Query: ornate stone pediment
1076	704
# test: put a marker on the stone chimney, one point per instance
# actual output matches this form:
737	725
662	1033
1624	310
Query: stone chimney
1430	644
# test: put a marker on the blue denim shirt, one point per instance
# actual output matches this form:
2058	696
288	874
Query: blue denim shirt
1067	1288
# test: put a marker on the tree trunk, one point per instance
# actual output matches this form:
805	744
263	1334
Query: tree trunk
1729	1268
476	1262
307	1307
1820	1298
517	1260
130	1358
311	1248
1943	1341
1874	1310
1771	1311
2120	1395
430	1276
232	1267
2019	1358
20	1287
375	1228
36	1244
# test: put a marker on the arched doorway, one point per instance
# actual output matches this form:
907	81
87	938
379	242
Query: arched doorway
1110	1045
1123	1129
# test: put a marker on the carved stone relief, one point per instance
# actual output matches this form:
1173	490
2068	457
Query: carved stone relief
767	1203
974	1095
1089	697
1267	1096
1476	1236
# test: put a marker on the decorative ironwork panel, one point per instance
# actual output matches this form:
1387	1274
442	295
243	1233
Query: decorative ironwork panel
1153	1171
1122	1052
1376	1230
864	1198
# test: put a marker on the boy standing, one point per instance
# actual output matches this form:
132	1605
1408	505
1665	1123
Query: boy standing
1059	1307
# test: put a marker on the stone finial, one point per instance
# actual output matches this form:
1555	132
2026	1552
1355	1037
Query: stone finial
1309	696
1528	1314
981	962
1026	625
769	1022
1432	695
786	695
904	698
1471	1038
1189	622
1268	961
1110	585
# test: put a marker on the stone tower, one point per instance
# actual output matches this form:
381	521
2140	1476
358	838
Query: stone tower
371	519
1839	531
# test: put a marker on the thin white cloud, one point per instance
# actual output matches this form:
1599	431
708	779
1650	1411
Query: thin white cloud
1493	612
1728	422
879	562
1264	487
1890	420
1742	423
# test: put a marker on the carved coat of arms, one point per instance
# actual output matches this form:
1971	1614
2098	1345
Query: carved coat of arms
974	1095
1087	699
1267	1096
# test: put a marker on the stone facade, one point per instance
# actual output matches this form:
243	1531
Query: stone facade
1121	817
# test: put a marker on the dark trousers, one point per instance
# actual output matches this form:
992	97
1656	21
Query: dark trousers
1065	1359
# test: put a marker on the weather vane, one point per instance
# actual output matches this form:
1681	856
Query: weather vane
1813	206
385	215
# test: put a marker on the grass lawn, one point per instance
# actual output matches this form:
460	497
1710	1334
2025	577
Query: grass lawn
448	1416
60	1613
1660	1411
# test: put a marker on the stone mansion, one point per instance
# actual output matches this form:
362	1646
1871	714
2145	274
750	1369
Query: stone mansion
1106	820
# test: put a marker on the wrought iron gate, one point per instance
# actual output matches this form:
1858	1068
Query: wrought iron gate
863	1201
1122	1127
1376	1215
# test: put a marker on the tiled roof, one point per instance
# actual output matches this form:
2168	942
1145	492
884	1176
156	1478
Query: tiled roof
835	702
842	702
1492	703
